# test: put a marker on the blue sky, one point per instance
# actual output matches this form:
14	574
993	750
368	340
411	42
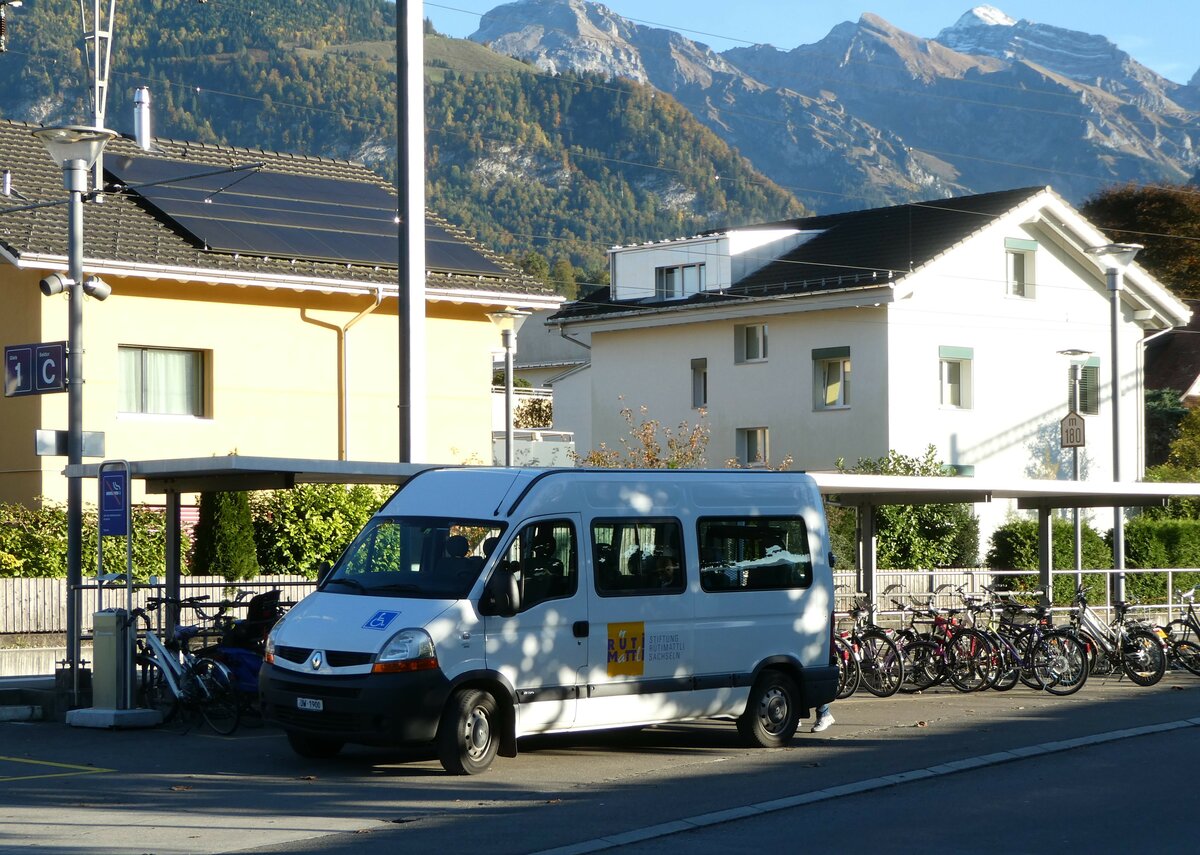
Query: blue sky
1161	34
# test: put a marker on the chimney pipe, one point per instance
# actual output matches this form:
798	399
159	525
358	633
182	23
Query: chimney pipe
141	118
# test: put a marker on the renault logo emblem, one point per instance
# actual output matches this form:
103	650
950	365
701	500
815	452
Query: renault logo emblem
315	661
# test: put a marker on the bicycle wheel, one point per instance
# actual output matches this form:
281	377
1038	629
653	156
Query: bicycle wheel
217	697
969	660
1008	672
1187	654
1067	666
1181	630
882	666
849	674
922	666
154	691
1142	657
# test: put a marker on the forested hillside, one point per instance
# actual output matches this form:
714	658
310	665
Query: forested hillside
551	170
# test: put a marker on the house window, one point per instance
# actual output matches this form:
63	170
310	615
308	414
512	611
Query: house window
956	376
750	343
699	383
752	446
678	281
1019	254
831	369
1089	387
160	381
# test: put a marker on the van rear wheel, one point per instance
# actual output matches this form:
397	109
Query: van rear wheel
772	712
467	736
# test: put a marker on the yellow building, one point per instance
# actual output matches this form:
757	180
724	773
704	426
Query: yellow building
232	295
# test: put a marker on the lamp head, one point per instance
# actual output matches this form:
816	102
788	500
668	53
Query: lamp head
74	142
1121	254
55	283
96	288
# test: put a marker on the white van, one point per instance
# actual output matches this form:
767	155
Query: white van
481	605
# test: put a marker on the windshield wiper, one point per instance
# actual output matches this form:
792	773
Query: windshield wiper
353	583
398	587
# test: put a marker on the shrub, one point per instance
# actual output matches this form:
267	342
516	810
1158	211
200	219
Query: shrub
297	529
1014	546
1153	543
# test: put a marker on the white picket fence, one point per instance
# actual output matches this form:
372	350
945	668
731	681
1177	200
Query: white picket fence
29	606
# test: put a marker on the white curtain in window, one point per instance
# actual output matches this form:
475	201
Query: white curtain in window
172	380
129	383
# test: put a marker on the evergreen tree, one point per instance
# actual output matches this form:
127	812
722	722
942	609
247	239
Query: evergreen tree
225	537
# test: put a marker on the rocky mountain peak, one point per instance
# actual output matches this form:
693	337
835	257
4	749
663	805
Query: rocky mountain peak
982	16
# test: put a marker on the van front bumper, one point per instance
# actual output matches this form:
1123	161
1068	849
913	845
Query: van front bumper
367	709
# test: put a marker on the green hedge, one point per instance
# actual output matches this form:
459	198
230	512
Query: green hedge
1149	543
294	531
1014	546
33	542
1154	543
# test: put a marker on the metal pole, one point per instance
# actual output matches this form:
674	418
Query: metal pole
507	337
1113	276
1075	368
75	177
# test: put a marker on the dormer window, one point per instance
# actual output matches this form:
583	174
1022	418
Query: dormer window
679	280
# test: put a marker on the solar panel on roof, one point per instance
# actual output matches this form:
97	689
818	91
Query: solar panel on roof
287	216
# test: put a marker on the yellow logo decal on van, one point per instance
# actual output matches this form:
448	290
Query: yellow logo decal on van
626	648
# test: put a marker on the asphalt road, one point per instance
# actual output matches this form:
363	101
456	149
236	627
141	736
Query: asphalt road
988	772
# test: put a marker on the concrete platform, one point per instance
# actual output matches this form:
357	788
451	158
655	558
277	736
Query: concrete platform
110	718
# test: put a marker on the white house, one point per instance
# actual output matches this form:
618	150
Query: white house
849	335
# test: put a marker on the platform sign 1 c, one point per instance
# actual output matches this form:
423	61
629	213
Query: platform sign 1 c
35	369
114	502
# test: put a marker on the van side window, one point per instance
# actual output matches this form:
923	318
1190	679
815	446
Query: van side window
754	554
545	558
638	557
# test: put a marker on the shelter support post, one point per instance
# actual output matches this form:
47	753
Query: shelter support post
867	545
171	567
1045	554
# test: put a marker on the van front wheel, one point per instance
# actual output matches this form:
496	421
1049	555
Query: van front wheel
467	736
772	712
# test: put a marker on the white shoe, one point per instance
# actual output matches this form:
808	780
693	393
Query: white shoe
822	723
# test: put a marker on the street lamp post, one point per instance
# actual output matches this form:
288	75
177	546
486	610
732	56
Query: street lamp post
75	150
1118	257
508	321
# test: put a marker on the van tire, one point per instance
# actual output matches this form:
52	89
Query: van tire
772	711
468	736
314	747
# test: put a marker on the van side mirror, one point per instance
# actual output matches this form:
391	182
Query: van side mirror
323	572
501	595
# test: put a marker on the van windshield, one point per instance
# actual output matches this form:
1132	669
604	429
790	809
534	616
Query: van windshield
423	557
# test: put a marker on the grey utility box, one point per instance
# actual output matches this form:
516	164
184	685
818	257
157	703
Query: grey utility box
112	659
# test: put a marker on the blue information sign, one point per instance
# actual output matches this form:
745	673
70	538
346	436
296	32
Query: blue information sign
34	369
114	502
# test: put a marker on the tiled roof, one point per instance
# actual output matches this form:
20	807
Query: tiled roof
122	230
857	248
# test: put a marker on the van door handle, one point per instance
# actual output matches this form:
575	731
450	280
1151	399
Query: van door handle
580	628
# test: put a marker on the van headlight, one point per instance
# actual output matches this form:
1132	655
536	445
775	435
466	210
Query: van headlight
407	650
269	655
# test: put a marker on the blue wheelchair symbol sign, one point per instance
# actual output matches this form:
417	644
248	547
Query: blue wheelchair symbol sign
380	620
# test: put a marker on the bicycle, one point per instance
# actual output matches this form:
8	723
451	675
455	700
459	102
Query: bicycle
1034	652
1121	645
880	662
176	682
1183	635
946	650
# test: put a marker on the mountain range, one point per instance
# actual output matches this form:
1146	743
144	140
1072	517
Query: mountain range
871	114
